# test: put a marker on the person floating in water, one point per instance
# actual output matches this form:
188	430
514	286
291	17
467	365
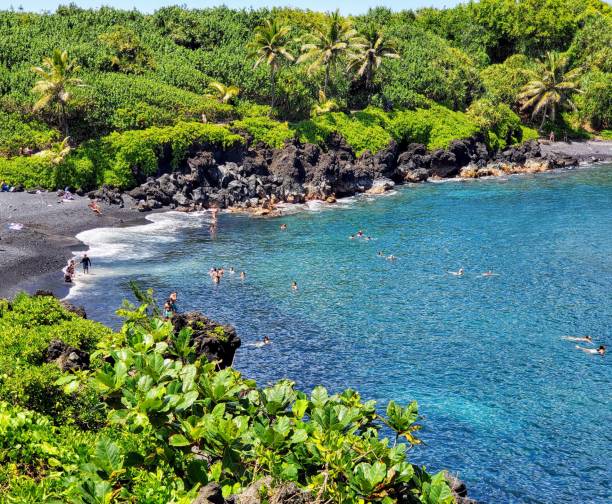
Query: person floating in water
86	262
283	227
265	341
380	254
242	275
360	234
488	273
584	339
593	351
294	285
232	271
352	237
391	258
458	273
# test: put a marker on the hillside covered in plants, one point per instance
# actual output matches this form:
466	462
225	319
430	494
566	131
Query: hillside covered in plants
91	416
96	96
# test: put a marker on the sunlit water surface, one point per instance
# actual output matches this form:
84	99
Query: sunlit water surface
518	412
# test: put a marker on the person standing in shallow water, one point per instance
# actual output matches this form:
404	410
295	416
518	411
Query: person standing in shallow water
86	262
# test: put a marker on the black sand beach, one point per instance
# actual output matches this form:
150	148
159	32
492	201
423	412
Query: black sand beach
32	258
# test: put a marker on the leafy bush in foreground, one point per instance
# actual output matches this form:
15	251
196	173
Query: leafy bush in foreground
175	422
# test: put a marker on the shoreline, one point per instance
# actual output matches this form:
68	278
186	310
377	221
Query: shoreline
32	258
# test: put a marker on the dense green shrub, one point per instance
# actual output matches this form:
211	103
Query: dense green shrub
27	326
174	422
502	82
16	134
29	171
501	125
595	103
265	130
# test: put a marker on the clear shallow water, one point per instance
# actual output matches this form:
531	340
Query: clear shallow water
519	413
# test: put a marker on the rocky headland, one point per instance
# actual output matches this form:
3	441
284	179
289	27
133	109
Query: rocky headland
255	178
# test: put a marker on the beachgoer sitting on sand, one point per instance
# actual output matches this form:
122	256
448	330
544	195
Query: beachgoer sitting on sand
94	207
457	273
601	350
4	187
584	339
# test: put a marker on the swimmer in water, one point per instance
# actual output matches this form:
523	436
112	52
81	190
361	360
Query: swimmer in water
458	273
585	339
242	275
391	258
599	351
360	234
352	237
294	285
380	254
265	341
232	271
488	273
283	227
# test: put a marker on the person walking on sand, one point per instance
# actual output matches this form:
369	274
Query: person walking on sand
86	262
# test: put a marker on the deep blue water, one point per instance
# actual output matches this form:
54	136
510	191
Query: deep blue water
518	412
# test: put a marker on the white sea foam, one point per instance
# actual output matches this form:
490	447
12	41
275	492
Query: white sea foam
133	242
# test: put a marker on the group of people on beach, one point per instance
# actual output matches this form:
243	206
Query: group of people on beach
70	269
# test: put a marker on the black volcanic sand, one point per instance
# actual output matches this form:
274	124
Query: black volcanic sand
33	257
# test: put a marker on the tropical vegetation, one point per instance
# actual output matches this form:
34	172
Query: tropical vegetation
148	420
105	77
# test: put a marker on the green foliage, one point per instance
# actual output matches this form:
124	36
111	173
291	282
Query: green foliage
361	131
126	52
500	124
265	130
595	104
29	171
27	326
176	422
17	134
503	81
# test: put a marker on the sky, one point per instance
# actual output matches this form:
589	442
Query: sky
345	6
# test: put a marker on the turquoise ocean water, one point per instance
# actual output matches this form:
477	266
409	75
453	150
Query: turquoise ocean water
518	412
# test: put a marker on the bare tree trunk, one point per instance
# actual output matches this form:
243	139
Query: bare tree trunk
273	85
64	119
326	80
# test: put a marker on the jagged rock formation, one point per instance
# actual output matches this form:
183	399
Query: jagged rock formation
256	177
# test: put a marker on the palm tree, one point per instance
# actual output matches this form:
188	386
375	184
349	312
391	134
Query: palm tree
56	77
324	105
329	44
552	91
221	92
269	46
367	60
57	152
